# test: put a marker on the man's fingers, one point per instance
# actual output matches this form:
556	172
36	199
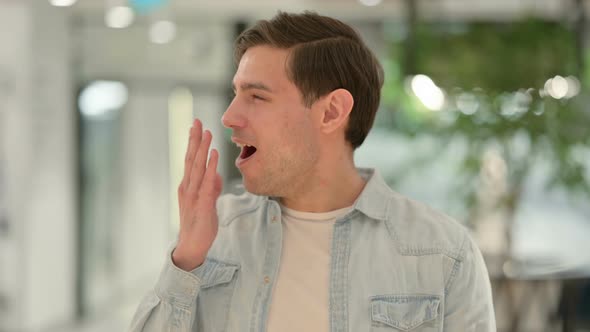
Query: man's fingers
199	164
194	142
218	184
210	187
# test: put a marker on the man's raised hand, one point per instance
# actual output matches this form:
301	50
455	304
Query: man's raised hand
197	197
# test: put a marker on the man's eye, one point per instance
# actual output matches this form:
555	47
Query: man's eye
257	97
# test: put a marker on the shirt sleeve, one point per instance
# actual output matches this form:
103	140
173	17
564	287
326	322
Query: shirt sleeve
171	305
468	303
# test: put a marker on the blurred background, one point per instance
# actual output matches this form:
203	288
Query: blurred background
484	116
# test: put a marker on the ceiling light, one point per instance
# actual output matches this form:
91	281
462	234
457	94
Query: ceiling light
62	3
370	3
162	32
119	17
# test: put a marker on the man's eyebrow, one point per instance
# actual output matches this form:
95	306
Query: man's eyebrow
253	85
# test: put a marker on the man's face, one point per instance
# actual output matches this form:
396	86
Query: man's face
268	113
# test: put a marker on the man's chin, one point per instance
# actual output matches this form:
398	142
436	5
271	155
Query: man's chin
255	187
252	189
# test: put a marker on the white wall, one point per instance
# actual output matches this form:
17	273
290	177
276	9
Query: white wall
140	230
37	136
14	22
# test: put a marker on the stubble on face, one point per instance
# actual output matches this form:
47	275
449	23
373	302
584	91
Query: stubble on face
287	152
288	164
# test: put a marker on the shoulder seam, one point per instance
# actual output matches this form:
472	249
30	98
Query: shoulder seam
233	217
408	250
457	264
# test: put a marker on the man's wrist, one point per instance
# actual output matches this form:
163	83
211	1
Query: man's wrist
186	262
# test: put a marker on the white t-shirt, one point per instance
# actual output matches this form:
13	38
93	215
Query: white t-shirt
300	299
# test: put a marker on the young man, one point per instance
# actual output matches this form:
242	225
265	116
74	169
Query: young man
315	244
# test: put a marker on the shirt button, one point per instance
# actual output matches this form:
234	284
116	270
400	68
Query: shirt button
266	279
273	219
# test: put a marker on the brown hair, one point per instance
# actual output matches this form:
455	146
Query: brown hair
326	54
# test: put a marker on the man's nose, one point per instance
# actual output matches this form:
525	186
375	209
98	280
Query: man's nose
233	117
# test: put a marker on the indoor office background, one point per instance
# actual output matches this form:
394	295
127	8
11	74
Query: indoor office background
484	116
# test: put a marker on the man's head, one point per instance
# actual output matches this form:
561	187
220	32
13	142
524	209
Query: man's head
325	54
306	85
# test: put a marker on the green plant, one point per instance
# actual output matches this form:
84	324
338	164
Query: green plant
495	77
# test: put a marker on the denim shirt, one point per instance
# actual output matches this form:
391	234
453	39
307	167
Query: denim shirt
396	265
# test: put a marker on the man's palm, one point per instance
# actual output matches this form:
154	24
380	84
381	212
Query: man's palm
197	197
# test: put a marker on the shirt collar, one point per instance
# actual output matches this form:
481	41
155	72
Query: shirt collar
374	199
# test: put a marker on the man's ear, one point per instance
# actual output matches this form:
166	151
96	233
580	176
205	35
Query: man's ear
337	106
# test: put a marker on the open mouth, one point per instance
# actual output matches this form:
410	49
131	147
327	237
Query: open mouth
247	151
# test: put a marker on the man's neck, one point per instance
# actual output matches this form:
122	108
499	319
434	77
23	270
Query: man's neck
330	191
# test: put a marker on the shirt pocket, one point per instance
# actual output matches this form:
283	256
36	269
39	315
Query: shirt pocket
216	273
218	281
414	312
